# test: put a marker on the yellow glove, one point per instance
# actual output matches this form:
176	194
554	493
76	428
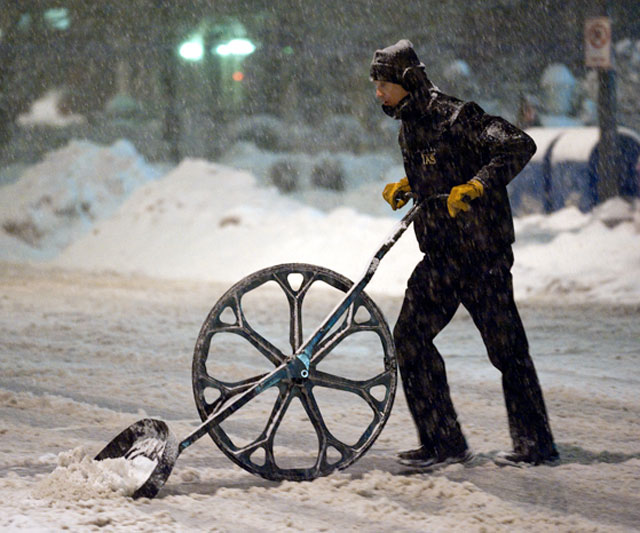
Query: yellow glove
396	193
461	195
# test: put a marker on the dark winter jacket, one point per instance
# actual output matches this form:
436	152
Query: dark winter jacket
446	142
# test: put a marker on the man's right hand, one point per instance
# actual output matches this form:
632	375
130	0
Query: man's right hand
397	194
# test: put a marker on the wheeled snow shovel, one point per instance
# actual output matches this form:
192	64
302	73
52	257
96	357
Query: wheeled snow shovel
299	375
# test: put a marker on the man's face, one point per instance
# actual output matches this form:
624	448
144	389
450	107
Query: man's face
388	93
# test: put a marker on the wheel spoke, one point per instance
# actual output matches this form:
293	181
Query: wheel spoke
348	327
268	434
243	328
295	297
295	323
325	437
265	347
326	346
362	387
227	389
277	413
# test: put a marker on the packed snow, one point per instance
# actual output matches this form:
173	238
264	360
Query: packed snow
79	477
109	267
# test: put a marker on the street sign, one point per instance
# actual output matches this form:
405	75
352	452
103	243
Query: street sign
597	40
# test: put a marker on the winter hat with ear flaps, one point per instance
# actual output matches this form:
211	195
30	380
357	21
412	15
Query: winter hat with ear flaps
396	63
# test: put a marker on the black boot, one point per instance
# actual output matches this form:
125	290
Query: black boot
521	459
424	459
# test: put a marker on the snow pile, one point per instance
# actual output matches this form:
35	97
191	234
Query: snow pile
586	257
57	200
102	208
79	477
205	221
46	110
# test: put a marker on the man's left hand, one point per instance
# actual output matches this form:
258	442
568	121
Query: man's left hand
461	195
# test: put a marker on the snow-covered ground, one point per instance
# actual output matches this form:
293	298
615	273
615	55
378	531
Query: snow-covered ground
109	270
85	355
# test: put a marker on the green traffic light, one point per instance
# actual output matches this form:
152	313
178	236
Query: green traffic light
236	47
57	18
192	50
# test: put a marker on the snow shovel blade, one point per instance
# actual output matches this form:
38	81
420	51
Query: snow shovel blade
152	439
162	471
149	438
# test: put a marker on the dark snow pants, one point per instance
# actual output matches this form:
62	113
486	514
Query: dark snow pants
434	292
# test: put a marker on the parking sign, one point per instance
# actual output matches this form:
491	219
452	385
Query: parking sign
597	38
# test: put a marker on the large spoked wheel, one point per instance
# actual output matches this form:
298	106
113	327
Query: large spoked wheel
257	325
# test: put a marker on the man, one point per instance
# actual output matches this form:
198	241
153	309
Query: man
449	146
